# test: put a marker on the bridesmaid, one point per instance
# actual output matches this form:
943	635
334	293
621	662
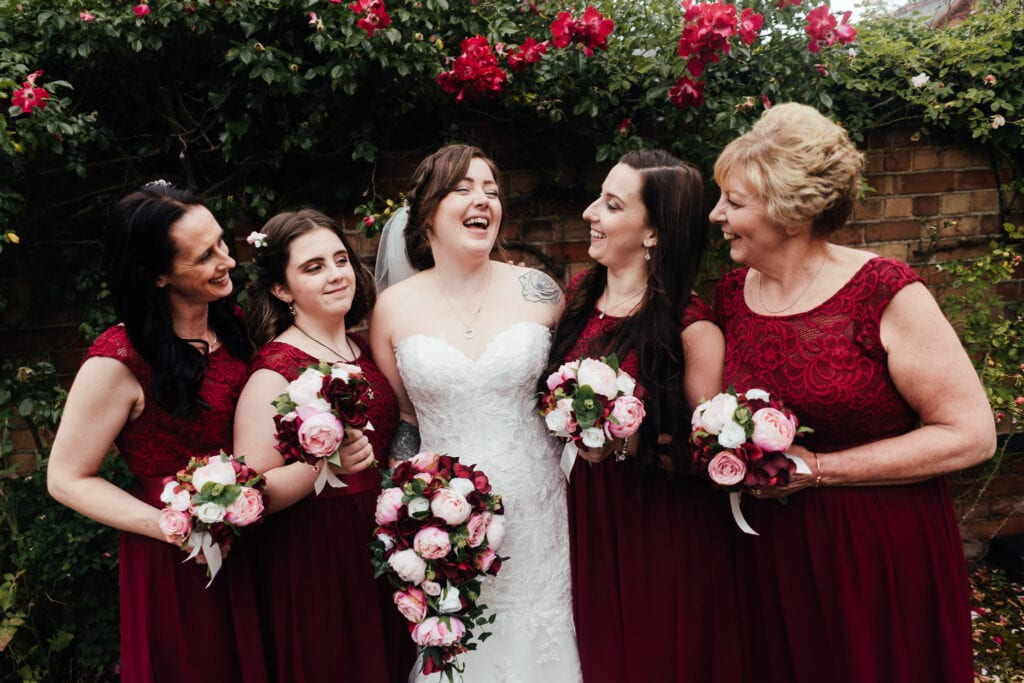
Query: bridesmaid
652	595
162	386
324	615
861	576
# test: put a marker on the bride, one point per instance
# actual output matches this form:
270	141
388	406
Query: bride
463	342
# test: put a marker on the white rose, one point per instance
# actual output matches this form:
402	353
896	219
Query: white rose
920	80
387	540
418	506
210	513
556	421
625	384
593	437
757	395
731	435
598	377
462	485
344	371
408	565
449	602
717	412
303	390
177	500
217	470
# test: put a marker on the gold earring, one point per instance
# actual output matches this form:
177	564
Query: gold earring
291	308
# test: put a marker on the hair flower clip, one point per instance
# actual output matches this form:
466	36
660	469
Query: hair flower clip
257	239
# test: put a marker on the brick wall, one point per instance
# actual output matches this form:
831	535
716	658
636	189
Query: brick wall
931	200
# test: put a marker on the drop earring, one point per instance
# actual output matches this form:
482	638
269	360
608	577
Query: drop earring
291	308
647	254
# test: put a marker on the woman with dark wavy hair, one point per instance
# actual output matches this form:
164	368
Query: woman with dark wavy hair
652	599
162	386
312	555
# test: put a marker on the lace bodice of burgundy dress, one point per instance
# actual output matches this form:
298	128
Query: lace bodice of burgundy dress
288	361
158	444
826	364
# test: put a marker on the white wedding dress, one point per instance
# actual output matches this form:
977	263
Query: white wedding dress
484	411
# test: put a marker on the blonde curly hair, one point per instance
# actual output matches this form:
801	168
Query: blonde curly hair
801	164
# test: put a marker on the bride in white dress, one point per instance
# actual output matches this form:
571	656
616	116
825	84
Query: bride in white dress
463	342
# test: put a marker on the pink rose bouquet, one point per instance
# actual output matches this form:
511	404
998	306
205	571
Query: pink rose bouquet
315	412
590	401
206	505
439	530
740	442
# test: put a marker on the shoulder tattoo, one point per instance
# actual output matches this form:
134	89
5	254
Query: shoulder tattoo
539	288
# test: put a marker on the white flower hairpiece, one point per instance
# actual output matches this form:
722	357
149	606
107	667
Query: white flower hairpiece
159	182
257	239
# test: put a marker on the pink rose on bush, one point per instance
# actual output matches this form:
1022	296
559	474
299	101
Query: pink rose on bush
627	414
246	508
598	376
725	469
175	523
411	604
389	502
774	431
450	506
432	543
434	632
477	526
408	565
320	434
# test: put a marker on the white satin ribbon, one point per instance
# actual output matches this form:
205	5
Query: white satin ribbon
801	464
327	476
202	542
568	458
737	514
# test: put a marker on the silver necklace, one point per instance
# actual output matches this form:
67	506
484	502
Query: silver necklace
332	350
760	292
626	300
467	331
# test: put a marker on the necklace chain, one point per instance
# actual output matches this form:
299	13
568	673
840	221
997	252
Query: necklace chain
760	286
332	350
467	331
626	300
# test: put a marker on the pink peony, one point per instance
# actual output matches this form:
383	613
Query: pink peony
432	588
246	508
496	532
712	415
599	377
320	434
175	523
725	469
389	502
408	565
450	506
774	431
435	632
562	375
627	414
432	543
411	604
303	389
217	471
425	462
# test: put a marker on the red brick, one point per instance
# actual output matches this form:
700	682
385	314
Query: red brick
919	183
925	159
989	529
898	207
874	162
568	252
892	230
869	209
985	200
955	203
848	235
521	183
958	157
926	205
896	250
975	180
897	160
538	231
882	184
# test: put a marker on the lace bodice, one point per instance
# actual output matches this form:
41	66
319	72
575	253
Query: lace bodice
157	444
484	411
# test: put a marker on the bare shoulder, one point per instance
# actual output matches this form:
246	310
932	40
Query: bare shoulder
537	286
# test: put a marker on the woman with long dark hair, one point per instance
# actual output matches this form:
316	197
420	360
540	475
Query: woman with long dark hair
323	612
651	588
162	385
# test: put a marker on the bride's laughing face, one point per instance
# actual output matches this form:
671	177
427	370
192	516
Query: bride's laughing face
468	218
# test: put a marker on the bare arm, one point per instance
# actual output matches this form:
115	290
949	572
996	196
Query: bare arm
406	442
933	374
704	354
104	396
255	439
538	287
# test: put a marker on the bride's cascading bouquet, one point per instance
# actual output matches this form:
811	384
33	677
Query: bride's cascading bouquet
590	401
314	413
439	530
740	441
206	505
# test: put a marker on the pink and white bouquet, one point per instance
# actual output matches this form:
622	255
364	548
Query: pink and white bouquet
590	401
740	442
206	505
320	405
439	530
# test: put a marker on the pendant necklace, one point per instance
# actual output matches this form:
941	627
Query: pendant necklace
467	332
334	351
626	300
760	292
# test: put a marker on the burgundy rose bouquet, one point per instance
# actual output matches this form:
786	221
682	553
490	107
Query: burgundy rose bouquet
590	401
740	443
439	529
314	413
207	503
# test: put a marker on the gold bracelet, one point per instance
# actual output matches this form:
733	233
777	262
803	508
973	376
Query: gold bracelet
817	469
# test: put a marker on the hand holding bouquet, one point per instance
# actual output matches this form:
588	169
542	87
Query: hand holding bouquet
740	442
590	401
206	505
316	411
439	529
